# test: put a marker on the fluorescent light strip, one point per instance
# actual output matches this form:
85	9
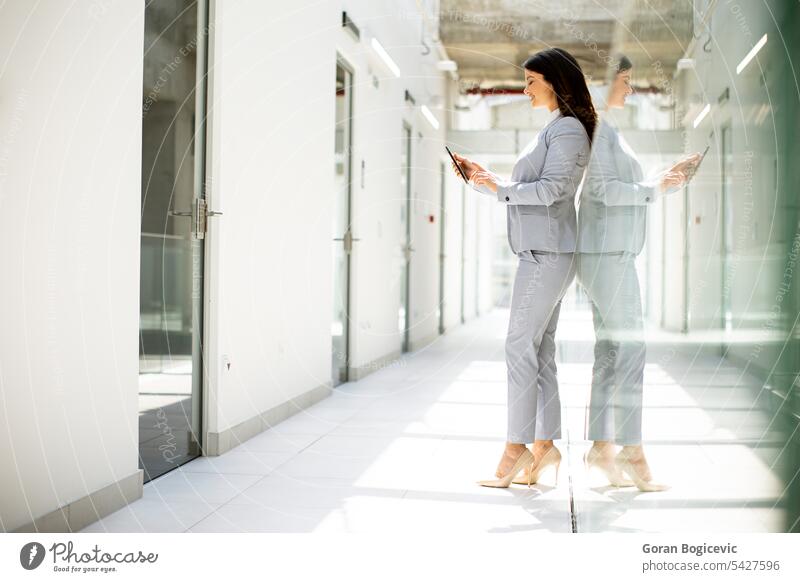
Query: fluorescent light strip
430	117
385	56
703	113
762	114
749	57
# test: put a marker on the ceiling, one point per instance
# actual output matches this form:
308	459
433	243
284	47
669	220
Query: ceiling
489	39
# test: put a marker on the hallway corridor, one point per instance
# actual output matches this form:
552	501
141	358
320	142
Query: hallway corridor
260	260
400	451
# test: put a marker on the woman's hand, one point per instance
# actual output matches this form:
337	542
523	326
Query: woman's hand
687	164
481	177
672	179
467	165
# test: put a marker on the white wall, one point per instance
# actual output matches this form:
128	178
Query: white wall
272	166
426	188
270	279
455	195
470	256
70	163
478	253
379	113
485	253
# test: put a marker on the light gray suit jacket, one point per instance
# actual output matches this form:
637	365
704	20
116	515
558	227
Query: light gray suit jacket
612	214
540	196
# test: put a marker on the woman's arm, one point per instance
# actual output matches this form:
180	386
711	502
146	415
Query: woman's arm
603	184
474	170
602	178
567	143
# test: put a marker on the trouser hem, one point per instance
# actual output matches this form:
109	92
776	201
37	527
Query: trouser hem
554	436
623	442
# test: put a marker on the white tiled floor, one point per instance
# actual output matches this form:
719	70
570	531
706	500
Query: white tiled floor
401	451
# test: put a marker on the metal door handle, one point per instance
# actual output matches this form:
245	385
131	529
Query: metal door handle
199	214
348	241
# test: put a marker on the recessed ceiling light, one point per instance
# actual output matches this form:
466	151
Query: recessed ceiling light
430	117
749	56
703	113
378	47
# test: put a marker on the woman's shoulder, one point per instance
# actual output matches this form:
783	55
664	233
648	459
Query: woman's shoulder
566	123
567	126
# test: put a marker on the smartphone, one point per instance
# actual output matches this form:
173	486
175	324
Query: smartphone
705	151
693	171
460	171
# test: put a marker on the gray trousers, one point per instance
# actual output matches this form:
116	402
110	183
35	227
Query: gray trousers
534	408
615	408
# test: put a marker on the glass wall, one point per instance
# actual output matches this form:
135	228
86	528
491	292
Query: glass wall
689	238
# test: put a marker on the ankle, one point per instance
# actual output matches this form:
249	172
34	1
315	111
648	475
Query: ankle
633	453
514	449
604	448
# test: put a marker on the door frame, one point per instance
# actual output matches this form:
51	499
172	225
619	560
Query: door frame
463	250
341	61
408	139
477	258
202	180
210	279
442	244
725	142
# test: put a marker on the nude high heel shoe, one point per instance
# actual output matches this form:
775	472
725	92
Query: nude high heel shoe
526	458
624	463
593	460
551	457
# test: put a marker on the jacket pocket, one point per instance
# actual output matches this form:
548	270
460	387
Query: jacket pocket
538	230
529	209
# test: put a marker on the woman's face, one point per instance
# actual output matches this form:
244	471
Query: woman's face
620	89
539	91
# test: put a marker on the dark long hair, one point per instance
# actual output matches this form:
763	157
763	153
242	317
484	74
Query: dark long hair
562	71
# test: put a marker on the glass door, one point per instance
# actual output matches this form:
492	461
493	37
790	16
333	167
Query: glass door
477	252
442	255
342	233
172	230
726	232
403	315
463	251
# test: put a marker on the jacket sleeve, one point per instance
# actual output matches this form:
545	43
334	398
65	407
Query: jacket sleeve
567	143
603	182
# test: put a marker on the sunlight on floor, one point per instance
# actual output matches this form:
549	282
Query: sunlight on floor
401	450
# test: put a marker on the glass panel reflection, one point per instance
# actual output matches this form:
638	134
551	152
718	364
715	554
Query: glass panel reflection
691	397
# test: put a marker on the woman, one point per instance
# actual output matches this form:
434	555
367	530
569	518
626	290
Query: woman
540	200
611	224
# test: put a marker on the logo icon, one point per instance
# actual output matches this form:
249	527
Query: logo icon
31	555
